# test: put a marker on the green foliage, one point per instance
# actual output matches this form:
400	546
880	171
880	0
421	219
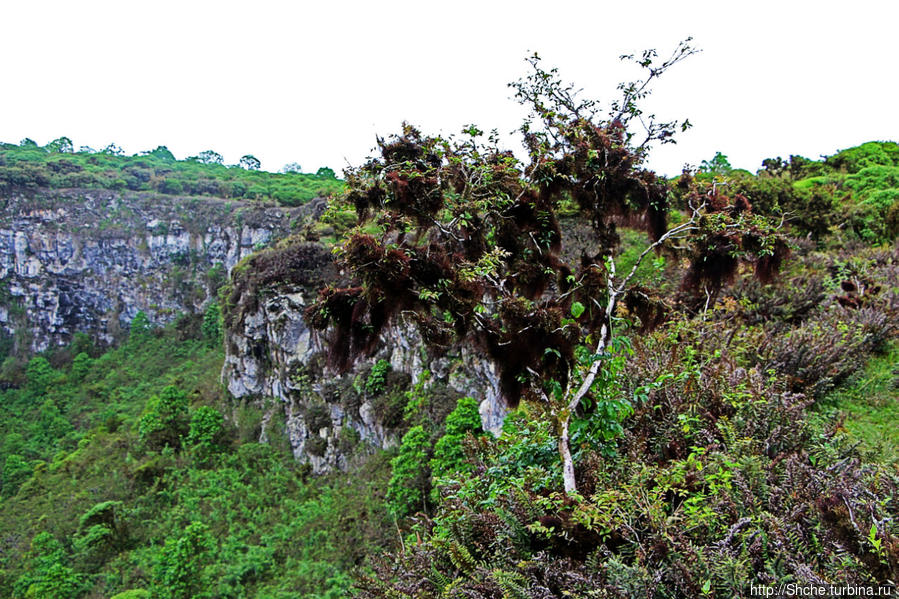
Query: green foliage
377	378
141	328
853	191
409	483
179	572
165	420
212	325
27	166
114	506
872	153
867	403
81	366
718	165
39	375
16	470
449	452
207	431
133	594
48	575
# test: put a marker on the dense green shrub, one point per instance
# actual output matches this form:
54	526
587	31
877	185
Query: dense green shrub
212	325
48	575
165	419
39	375
16	470
449	454
206	434
179	572
872	153
377	377
409	484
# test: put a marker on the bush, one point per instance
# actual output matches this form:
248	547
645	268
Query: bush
16	470
374	384
212	325
873	153
48	575
207	431
179	571
39	374
408	487
164	421
449	454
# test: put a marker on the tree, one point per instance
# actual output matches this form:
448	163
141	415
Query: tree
161	153
61	145
113	150
292	167
164	421
250	163
212	325
408	487
209	157
141	328
469	245
719	165
16	470
207	431
40	375
179	572
48	575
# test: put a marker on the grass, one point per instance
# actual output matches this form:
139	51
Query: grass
869	402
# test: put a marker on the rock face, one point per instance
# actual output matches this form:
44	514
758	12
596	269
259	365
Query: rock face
272	355
89	260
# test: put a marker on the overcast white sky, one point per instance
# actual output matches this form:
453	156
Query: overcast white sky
314	83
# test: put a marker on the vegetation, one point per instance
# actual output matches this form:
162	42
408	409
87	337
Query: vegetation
57	165
691	460
727	471
122	476
469	244
853	194
701	376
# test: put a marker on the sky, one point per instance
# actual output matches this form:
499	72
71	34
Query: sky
315	83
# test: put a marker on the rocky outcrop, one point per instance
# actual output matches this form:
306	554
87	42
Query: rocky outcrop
272	355
89	260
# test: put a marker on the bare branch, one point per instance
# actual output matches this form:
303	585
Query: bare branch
672	233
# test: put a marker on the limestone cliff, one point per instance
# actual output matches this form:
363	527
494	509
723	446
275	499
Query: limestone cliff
89	260
274	360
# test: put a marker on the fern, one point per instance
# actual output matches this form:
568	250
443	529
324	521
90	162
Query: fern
438	579
513	585
459	555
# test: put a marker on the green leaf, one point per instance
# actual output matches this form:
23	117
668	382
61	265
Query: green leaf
577	308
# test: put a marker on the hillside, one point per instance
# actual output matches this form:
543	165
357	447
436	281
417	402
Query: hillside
268	418
57	165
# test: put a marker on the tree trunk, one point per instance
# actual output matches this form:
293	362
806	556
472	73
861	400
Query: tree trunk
567	460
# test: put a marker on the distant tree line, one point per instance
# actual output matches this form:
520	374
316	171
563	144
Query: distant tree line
57	165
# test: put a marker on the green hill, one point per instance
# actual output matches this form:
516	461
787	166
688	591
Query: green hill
57	165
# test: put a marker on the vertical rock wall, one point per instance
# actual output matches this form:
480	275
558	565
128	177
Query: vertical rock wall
275	360
89	260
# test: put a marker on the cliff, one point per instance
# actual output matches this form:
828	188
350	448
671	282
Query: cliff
88	260
274	360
